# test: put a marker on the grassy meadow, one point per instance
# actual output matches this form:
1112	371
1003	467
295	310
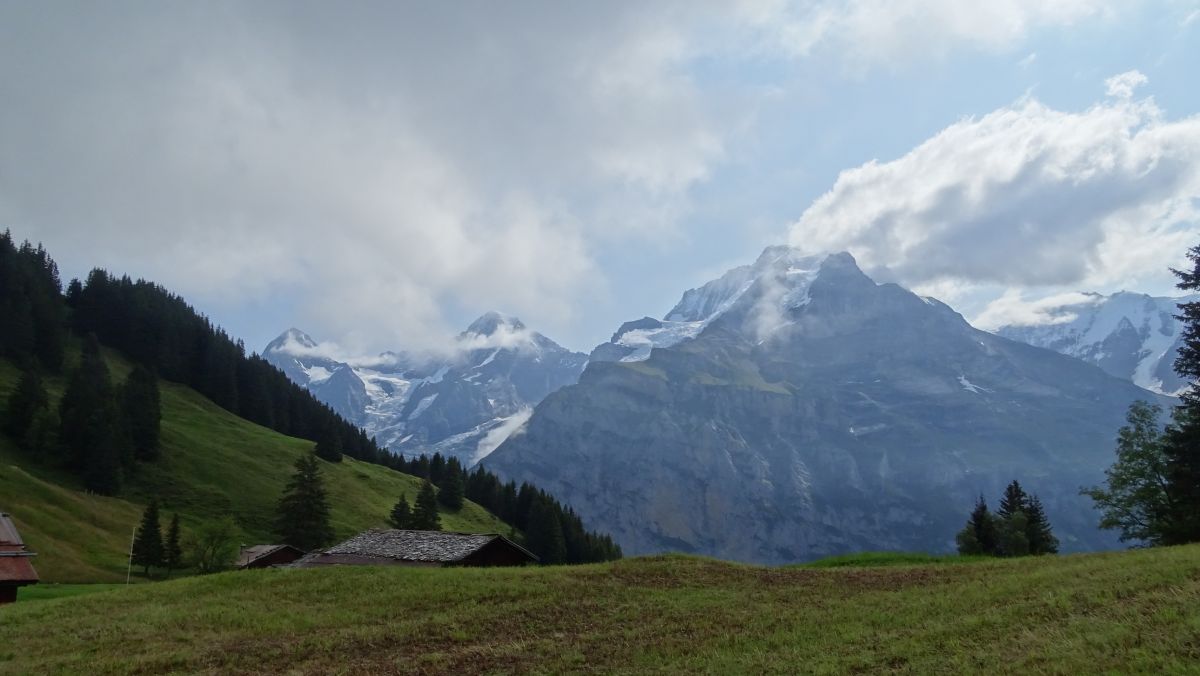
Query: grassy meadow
1124	612
213	464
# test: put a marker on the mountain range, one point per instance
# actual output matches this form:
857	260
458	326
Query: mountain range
461	402
1129	335
794	408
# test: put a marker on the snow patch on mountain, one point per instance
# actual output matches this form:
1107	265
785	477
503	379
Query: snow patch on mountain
782	275
505	428
1129	335
479	387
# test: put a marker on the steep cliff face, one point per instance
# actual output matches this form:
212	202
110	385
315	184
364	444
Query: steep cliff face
799	409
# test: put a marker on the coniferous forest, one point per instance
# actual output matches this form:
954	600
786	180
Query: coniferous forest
102	428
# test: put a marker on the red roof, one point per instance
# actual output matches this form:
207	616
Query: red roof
17	569
16	565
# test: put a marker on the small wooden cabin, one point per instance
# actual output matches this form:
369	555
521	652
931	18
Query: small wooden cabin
421	548
16	566
265	556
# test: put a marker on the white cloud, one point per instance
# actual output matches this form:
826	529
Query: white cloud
866	33
1025	196
1013	309
1122	85
380	164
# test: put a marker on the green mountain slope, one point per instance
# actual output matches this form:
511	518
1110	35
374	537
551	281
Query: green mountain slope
1127	612
213	464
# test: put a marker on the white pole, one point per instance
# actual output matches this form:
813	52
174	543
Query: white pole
129	569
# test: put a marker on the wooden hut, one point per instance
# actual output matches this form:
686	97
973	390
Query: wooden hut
421	548
16	567
266	556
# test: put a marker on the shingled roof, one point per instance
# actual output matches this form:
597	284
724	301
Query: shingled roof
249	555
416	546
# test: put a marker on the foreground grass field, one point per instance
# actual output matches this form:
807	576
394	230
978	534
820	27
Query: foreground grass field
213	464
1120	612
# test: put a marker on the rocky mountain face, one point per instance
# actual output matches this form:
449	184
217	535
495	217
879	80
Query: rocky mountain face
1129	335
794	409
461	403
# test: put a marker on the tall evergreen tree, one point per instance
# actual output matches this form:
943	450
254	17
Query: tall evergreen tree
1012	537
141	411
148	544
24	404
1038	532
451	494
172	547
1182	443
302	518
329	446
979	535
544	534
401	516
425	511
88	423
1014	500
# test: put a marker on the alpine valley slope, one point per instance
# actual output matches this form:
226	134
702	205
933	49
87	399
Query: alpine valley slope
794	409
461	403
1129	335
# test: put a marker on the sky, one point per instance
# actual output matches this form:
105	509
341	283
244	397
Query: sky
380	173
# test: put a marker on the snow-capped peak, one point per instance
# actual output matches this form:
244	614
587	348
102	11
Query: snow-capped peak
491	322
1130	335
292	340
782	274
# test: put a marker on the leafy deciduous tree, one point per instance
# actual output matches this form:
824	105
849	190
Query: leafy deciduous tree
1134	499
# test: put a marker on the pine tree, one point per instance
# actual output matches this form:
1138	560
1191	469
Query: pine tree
1011	535
141	410
544	534
401	516
425	511
303	513
172	548
1181	447
42	437
1014	500
1038	532
329	446
88	423
24	404
148	544
979	535
451	493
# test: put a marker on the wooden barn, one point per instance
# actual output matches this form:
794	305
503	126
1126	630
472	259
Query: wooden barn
421	548
265	556
16	567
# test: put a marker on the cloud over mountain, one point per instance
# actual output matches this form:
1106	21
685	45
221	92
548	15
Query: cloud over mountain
1026	195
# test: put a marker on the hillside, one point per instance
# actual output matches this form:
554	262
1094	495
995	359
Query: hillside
1125	612
213	464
